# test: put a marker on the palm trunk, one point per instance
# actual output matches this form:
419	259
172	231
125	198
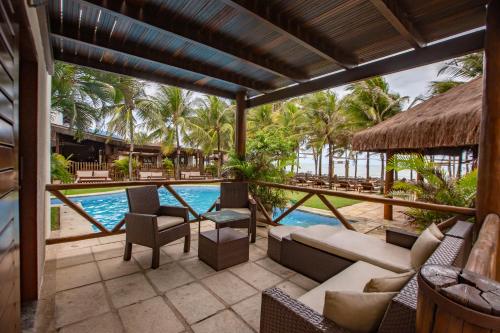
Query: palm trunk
330	164
346	164
177	154
356	165
382	168
220	155
315	158
298	159
367	165
130	169
320	162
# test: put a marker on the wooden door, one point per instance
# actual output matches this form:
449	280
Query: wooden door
9	211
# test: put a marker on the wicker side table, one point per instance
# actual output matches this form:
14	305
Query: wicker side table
223	248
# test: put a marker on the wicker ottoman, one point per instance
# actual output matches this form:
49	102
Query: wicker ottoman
223	248
275	235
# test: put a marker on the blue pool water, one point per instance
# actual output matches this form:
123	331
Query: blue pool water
110	208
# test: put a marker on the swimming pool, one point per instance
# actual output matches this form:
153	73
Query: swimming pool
110	208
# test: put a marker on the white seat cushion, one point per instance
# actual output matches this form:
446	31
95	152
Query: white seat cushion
281	231
239	210
353	278
356	246
101	173
165	222
82	173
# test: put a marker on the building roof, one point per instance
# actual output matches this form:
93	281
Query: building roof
446	121
270	50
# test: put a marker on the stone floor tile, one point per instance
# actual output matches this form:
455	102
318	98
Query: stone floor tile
255	275
169	276
197	267
79	304
223	322
112	239
228	287
77	276
262	243
176	251
194	302
249	310
129	289
274	267
304	281
150	316
256	253
115	267
136	248
73	257
291	289
106	251
145	258
78	244
106	323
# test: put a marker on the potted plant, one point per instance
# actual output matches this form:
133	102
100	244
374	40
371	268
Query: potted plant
269	153
59	169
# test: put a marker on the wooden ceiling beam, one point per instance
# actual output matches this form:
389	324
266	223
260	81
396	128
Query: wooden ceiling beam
295	31
399	20
86	35
186	29
419	57
102	64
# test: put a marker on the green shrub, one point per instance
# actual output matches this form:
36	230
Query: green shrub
59	166
168	164
122	165
211	169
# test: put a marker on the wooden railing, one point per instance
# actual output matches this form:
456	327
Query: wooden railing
56	189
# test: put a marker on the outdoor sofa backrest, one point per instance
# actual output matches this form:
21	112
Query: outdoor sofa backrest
84	173
101	173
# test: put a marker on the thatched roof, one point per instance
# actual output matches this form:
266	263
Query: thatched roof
447	121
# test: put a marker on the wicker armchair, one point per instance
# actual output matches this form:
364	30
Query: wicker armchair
234	196
152	225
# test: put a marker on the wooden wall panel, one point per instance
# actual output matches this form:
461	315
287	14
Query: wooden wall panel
6	133
6	108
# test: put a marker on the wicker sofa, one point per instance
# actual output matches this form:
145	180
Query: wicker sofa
281	313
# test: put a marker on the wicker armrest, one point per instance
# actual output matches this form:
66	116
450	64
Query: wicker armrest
282	314
140	228
174	211
400	237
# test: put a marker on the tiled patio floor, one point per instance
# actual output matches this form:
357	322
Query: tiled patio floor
89	288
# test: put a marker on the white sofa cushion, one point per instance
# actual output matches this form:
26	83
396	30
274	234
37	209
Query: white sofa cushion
84	173
353	278
423	247
245	211
391	283
433	228
356	246
281	231
165	222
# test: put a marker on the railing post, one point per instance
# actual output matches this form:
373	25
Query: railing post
389	181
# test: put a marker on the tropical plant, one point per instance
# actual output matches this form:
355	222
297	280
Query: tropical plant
168	164
78	95
59	168
369	103
435	187
212	169
291	119
169	111
459	70
259	118
211	127
269	153
123	165
326	123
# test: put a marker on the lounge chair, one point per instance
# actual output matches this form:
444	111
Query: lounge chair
83	175
92	176
151	175
367	186
152	225
235	196
282	313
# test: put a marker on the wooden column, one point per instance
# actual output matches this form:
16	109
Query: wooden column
488	186
241	125
389	181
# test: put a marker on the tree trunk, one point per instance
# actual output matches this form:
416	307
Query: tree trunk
130	156
330	164
460	162
315	158
177	154
346	164
356	165
298	159
219	168
201	162
367	165
382	168
320	162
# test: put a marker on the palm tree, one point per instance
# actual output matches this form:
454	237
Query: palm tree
259	118
124	111
459	70
369	103
291	119
211	127
78	95
169	112
326	121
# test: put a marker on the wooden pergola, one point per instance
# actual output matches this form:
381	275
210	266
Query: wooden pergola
259	52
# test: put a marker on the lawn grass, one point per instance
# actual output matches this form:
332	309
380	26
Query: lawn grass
91	190
55	218
315	202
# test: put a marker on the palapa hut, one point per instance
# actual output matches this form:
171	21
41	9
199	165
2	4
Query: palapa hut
445	124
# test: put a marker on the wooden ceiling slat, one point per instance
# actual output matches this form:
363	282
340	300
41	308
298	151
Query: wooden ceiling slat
190	31
419	57
294	31
393	12
85	34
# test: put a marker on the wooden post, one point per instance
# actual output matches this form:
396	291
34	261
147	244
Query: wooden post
488	185
241	126
389	181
